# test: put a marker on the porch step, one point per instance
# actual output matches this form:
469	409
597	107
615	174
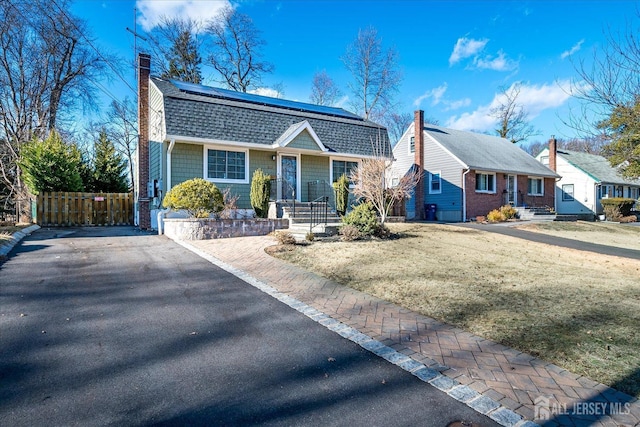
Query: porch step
300	230
302	213
536	213
568	218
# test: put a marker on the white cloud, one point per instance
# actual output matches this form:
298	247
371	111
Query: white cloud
466	48
576	47
265	91
342	102
499	63
151	12
454	105
534	98
434	94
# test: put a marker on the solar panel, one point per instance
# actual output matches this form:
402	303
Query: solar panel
262	100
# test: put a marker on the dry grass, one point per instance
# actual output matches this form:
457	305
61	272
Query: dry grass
604	233
576	309
7	230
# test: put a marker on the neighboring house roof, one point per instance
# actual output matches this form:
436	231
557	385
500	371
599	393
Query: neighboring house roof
488	153
196	111
596	166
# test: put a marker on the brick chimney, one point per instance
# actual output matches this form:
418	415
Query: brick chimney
418	119
553	153
144	70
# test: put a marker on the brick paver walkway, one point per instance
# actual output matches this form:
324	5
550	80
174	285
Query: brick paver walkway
512	378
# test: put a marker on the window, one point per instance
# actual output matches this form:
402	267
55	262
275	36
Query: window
535	186
435	183
567	192
412	144
342	167
634	192
606	191
227	165
485	183
619	191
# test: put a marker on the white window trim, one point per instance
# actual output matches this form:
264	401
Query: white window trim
541	187
342	159
439	173
409	150
492	191
205	172
573	197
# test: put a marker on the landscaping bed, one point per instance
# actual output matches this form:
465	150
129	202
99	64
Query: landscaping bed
576	309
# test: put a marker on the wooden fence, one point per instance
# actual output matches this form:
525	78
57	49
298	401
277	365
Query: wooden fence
57	209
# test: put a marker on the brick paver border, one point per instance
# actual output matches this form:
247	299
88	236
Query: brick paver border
497	381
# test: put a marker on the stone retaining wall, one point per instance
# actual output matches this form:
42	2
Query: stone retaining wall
204	229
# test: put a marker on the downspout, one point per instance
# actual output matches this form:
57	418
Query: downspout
464	195
163	212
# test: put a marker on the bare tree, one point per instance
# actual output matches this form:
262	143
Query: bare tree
47	63
235	50
375	183
176	42
513	119
122	130
609	88
397	124
375	73
324	90
590	145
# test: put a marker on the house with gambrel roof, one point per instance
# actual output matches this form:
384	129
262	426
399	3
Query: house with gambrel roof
224	136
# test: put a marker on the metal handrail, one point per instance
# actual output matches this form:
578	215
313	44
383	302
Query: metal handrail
318	216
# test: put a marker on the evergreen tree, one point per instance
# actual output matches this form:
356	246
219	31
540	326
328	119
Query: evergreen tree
184	59
51	165
109	167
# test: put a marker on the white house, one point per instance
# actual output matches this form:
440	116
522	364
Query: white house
586	179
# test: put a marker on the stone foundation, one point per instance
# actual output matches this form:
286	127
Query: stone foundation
204	229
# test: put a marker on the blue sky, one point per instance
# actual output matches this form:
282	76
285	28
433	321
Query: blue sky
455	55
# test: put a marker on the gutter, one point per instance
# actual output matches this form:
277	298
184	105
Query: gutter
464	195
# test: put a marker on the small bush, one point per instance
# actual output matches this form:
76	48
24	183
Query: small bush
611	212
350	232
260	192
496	216
628	219
509	212
229	203
285	238
364	218
623	204
310	237
341	192
197	196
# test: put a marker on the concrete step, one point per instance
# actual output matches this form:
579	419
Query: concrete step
568	218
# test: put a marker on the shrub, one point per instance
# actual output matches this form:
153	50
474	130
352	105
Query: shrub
364	218
310	237
350	232
197	196
509	212
260	192
623	204
285	238
627	219
230	204
341	192
496	216
611	212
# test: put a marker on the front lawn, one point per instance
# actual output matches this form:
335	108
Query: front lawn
576	309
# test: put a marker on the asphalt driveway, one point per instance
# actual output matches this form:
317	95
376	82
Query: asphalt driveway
111	326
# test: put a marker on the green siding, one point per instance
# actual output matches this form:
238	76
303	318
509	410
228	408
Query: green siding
314	168
304	141
156	166
186	162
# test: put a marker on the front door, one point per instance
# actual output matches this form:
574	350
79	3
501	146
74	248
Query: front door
511	190
289	177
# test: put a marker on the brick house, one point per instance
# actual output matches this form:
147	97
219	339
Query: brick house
468	174
189	130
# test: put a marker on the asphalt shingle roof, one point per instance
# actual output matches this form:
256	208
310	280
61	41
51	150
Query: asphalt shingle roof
489	153
596	166
191	114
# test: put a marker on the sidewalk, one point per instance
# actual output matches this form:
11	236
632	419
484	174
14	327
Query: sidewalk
515	380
